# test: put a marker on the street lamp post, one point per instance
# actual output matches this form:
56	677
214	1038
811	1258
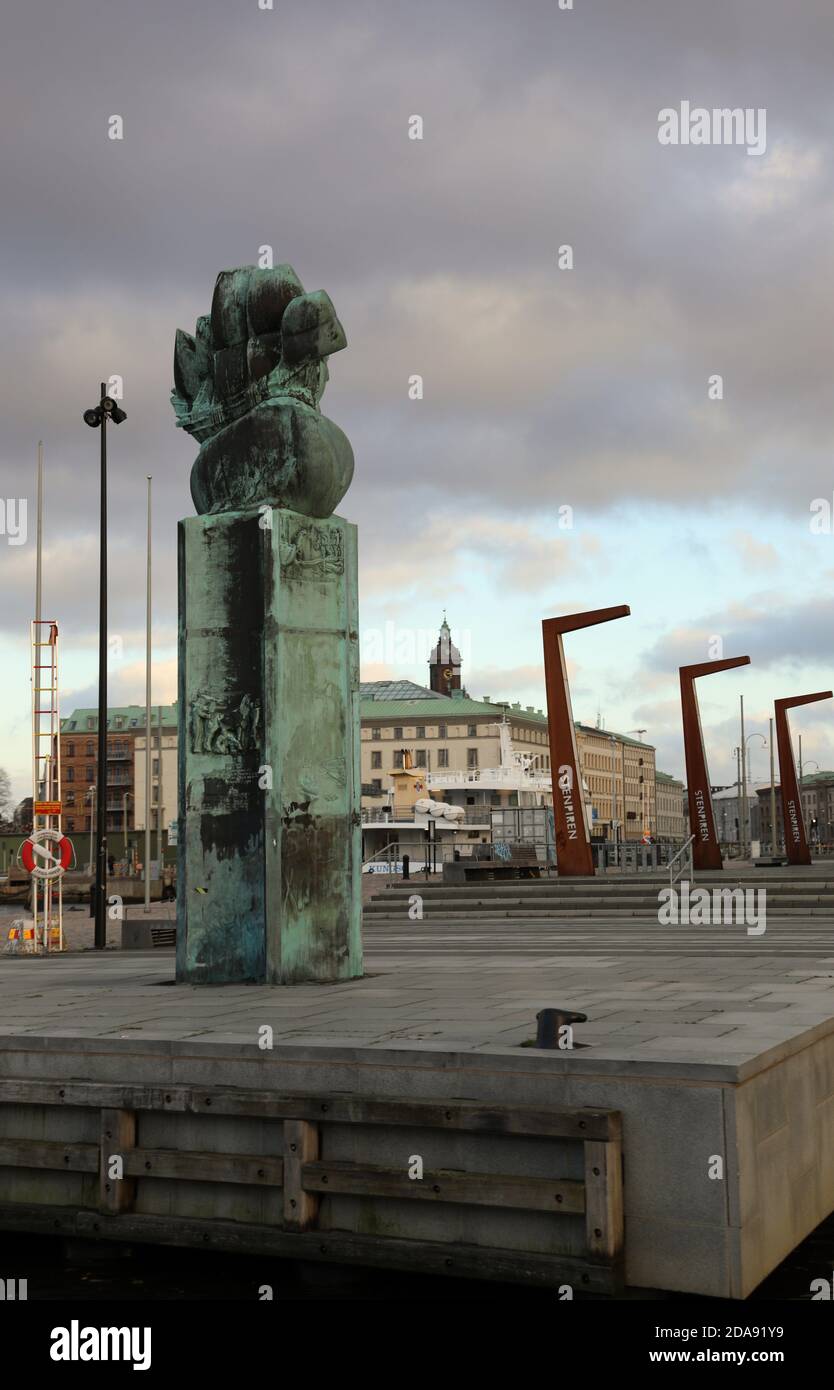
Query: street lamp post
97	419
747	764
91	793
803	767
773	849
124	821
613	742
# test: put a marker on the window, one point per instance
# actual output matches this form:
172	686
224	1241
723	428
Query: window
398	733
471	731
471	757
70	774
398	757
376	760
375	733
70	798
120	723
376	783
90	773
420	758
70	825
70	750
441	731
420	732
442	757
155	766
89	752
91	723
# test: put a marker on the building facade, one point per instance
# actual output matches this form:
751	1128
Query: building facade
79	766
671	817
817	811
619	772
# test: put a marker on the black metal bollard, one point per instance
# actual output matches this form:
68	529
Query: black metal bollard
548	1023
406	863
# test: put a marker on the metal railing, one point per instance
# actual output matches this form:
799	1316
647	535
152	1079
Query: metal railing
685	856
391	852
472	816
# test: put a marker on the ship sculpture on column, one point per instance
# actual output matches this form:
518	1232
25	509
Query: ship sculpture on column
269	783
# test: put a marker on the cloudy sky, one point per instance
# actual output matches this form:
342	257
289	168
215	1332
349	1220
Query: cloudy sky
543	387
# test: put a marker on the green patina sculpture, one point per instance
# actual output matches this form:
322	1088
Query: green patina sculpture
248	385
269	781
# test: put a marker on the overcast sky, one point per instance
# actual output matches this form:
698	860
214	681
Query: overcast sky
543	387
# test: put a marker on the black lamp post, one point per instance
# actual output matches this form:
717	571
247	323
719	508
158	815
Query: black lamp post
97	419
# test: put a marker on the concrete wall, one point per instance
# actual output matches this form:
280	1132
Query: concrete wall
772	1123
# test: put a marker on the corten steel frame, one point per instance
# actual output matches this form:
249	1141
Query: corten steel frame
706	852
796	841
573	845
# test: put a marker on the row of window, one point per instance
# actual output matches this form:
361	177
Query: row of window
421	758
420	731
120	721
90	772
115	749
116	825
83	797
603	760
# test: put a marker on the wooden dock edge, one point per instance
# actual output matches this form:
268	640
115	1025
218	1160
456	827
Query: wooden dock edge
302	1176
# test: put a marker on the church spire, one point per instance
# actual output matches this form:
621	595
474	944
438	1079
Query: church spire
444	662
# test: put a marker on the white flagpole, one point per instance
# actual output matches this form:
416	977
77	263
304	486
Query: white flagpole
148	718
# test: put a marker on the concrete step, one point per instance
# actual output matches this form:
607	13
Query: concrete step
796	915
647	901
607	886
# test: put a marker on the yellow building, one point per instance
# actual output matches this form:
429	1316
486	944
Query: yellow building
457	734
671	818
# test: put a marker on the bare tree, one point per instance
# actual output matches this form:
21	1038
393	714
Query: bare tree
5	792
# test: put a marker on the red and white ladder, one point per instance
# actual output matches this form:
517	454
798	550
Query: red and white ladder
47	893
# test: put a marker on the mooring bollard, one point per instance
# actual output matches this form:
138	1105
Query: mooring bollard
548	1023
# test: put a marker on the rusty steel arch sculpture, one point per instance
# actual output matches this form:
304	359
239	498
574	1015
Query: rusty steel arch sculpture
706	851
573	845
796	841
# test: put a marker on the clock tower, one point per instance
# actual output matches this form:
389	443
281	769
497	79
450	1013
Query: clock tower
444	663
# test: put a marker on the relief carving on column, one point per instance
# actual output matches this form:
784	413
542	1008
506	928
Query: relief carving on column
227	726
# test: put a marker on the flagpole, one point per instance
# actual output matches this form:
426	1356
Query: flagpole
148	716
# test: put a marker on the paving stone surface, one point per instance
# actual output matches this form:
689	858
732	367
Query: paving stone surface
699	994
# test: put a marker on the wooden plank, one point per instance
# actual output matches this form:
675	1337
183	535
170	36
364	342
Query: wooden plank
472	1116
445	1185
45	1153
340	1247
604	1199
118	1135
193	1166
301	1146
